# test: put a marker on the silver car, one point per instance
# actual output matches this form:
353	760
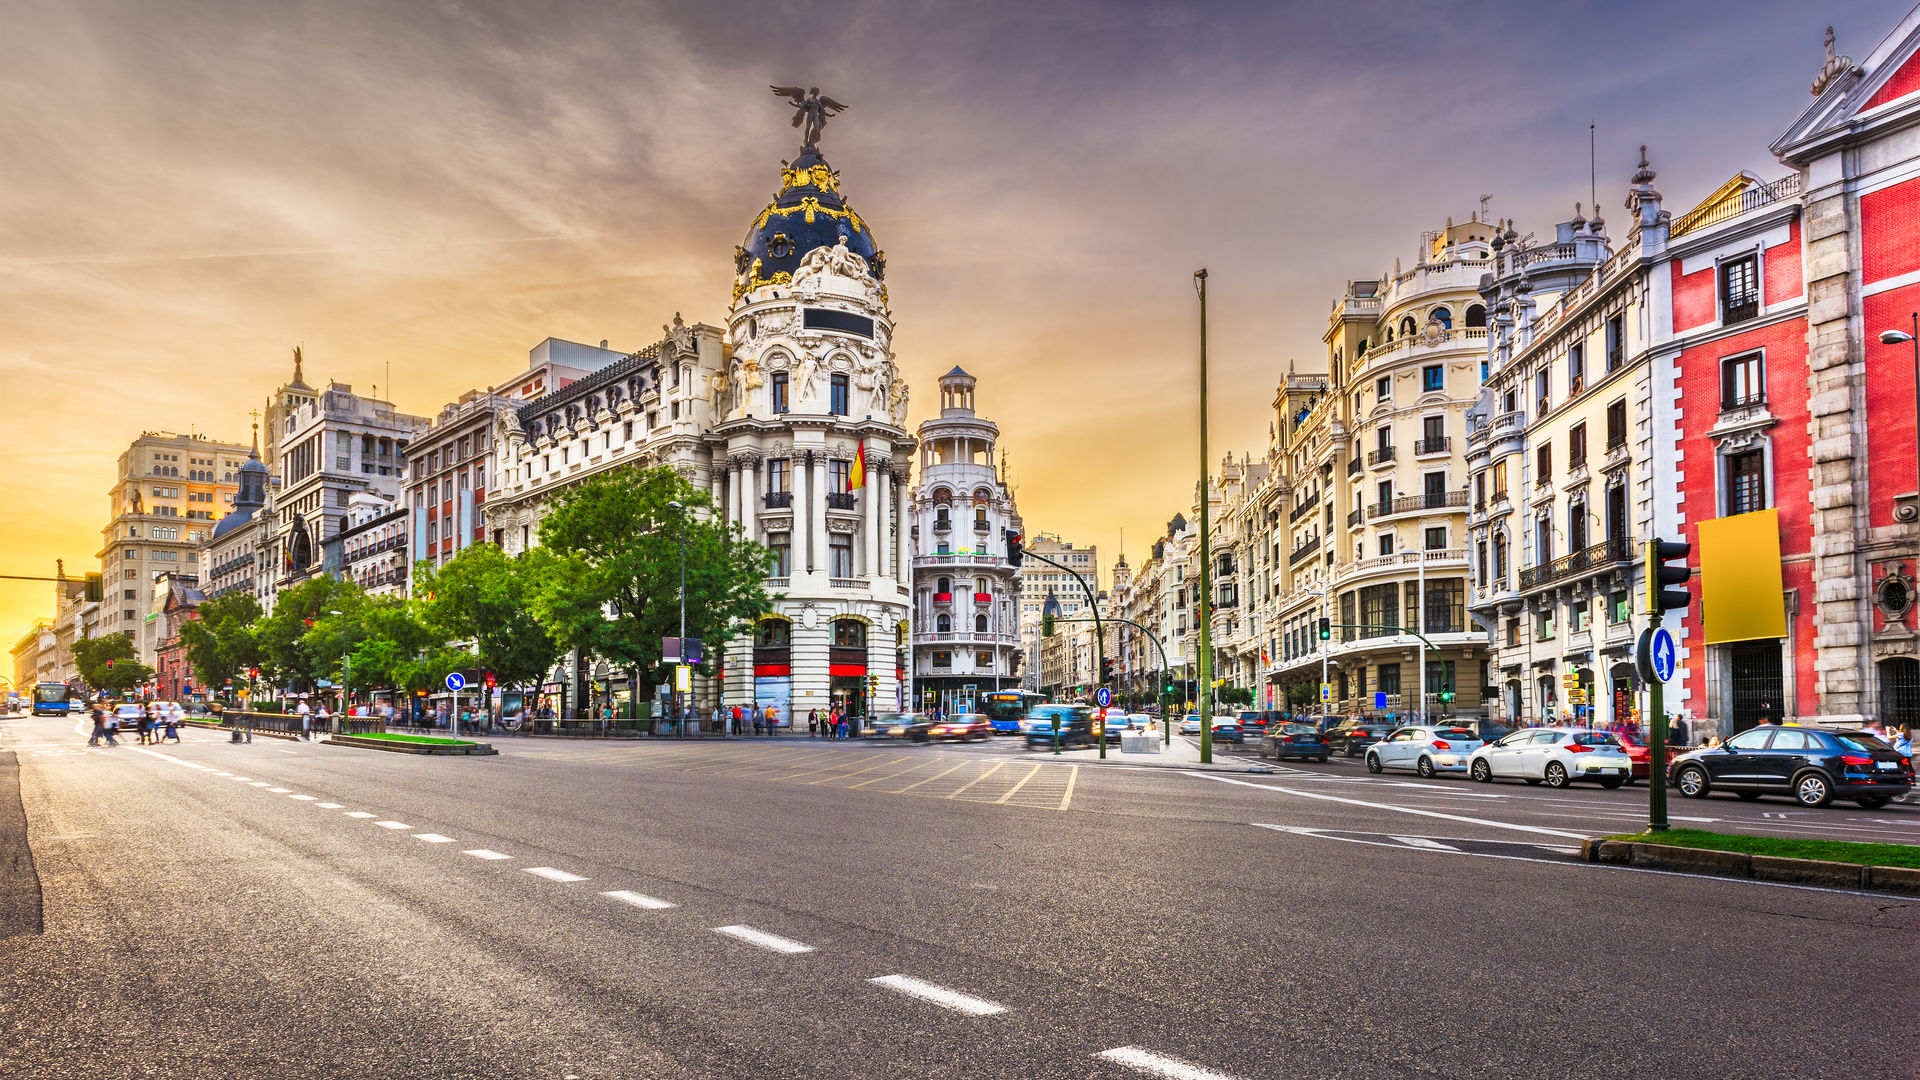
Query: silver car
1553	756
1426	749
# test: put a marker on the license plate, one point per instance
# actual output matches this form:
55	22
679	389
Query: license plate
1887	766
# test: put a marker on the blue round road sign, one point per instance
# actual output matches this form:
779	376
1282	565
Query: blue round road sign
1104	696
456	681
1664	654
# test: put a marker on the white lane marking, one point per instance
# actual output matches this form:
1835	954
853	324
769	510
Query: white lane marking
393	824
1321	835
638	900
328	805
551	874
260	783
1160	1065
223	774
279	790
358	814
1398	809
240	779
1423	842
763	939
433	838
939	995
483	853
302	798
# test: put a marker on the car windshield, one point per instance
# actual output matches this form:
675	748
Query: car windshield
1862	742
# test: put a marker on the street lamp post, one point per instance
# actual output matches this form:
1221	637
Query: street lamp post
1898	337
1206	544
679	706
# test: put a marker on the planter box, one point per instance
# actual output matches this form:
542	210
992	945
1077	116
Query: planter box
1809	871
393	747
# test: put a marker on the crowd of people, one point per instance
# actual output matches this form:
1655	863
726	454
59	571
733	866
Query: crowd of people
154	721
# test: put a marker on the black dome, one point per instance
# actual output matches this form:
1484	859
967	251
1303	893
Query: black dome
808	213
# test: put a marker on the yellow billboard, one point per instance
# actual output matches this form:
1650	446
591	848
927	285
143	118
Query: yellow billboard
1741	595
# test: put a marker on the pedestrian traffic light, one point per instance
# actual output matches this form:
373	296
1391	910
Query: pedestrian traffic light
1660	598
1326	629
95	591
1014	553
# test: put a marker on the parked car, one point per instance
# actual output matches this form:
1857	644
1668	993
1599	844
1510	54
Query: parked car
1075	725
1553	756
1812	766
1295	740
964	727
1641	755
1228	729
1425	750
1354	737
1255	723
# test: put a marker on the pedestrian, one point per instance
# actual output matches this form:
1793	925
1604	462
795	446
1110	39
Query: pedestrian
111	725
1766	715
773	720
99	723
1678	731
176	714
813	723
306	718
323	718
759	721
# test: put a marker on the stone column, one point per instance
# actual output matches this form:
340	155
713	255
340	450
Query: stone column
800	538
882	509
817	516
903	529
870	502
750	496
733	490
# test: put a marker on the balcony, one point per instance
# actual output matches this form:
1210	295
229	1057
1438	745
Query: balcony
1306	505
1617	443
839	500
1742	402
982	528
1411	504
1303	551
1353	466
1384	453
1441	445
943	598
1355	517
1739	308
982	598
779	500
1582	563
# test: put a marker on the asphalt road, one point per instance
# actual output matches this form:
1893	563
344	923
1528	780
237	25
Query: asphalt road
851	910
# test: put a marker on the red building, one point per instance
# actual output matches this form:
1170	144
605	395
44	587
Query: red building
177	600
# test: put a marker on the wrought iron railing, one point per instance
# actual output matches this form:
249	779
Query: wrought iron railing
1438	445
1585	561
1384	453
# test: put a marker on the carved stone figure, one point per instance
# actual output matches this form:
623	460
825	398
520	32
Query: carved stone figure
806	377
720	383
900	401
834	260
678	334
810	112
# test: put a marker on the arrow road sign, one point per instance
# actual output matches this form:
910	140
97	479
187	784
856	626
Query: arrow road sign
1664	654
456	681
1104	696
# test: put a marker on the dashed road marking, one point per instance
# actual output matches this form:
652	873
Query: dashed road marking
638	900
358	814
1423	842
260	783
1160	1065
328	805
302	798
241	779
433	838
939	995
279	790
393	824
771	942
551	874
483	853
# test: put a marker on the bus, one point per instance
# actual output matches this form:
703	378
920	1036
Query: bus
1005	709
50	699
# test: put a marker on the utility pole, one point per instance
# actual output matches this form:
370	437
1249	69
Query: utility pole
1206	544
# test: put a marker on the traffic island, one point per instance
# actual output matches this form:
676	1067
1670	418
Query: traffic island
1831	863
412	744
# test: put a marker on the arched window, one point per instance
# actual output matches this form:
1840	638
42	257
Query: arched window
943	585
1443	317
980	519
1476	315
773	632
980	587
849	632
1406	326
979	624
943	623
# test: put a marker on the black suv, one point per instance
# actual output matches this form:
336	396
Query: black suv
1813	766
1356	737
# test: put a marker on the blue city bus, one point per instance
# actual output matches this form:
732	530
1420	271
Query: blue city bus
50	699
1005	709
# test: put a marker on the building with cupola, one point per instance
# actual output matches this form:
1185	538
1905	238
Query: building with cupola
790	417
230	557
966	596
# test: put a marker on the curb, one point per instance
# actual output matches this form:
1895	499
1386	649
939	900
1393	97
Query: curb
1776	868
354	743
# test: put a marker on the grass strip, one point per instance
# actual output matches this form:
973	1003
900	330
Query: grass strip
1902	855
427	739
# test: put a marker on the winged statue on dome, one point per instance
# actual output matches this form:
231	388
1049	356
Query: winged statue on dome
810	112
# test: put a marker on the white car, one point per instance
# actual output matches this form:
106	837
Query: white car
1427	750
1191	725
1553	756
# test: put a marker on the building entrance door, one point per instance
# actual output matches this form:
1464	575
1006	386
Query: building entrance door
1754	684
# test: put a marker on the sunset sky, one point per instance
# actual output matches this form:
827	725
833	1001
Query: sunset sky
187	190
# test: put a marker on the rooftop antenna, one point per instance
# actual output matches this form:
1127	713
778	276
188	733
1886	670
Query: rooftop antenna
1484	200
1593	171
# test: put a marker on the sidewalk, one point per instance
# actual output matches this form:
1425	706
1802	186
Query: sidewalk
1183	752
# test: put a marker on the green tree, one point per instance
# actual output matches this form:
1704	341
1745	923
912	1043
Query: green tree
390	645
483	596
108	663
1301	694
287	658
220	643
606	579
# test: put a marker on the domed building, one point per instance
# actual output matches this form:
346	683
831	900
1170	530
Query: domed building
232	551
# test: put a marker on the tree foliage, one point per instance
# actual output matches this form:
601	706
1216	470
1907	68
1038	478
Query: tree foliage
220	644
609	581
287	658
108	663
482	596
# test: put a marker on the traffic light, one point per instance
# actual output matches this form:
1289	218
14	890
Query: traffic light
1326	629
95	591
487	677
1046	624
1446	692
1660	598
1014	553
1106	669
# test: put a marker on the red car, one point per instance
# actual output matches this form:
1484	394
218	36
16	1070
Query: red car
1641	754
963	728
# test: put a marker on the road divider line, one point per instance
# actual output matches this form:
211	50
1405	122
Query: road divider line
1015	789
328	805
977	779
259	783
303	798
1160	1065
1396	809
638	900
279	790
1073	773
770	942
551	874
242	779
393	824
358	814
433	838
939	995
483	853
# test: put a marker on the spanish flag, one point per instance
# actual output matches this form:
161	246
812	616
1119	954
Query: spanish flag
857	476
